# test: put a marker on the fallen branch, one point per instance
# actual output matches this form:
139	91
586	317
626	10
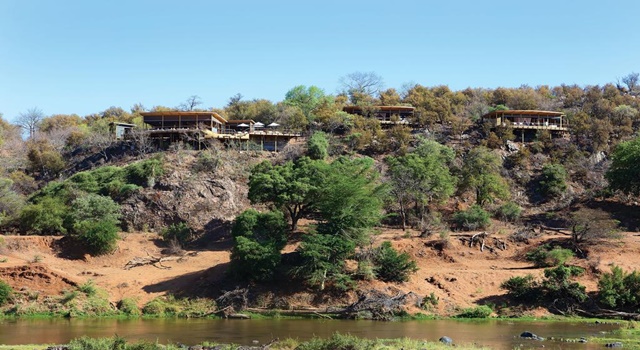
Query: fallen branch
150	260
555	229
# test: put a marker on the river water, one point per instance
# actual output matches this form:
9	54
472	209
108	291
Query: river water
496	334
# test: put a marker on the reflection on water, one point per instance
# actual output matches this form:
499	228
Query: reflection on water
491	333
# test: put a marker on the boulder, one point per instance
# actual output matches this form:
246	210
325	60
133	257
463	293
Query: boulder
446	340
529	335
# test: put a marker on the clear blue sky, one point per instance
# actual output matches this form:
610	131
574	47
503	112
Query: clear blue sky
84	56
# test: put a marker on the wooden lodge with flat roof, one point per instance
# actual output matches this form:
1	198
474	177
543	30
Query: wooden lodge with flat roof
529	121
172	126
386	115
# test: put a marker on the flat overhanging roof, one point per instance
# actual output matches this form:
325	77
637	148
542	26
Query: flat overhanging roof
380	108
176	115
533	113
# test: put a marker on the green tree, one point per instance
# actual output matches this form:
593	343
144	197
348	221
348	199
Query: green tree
305	98
391	266
290	187
323	260
481	173
421	177
553	180
349	197
318	145
258	240
620	290
624	172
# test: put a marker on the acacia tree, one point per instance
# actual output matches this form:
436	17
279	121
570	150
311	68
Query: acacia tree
349	198
290	187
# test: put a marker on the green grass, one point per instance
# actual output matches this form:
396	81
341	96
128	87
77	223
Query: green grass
335	342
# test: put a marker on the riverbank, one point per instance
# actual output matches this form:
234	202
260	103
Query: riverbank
499	334
451	279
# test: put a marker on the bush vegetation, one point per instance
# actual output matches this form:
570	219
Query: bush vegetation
390	266
473	218
179	232
481	311
5	292
509	212
620	290
548	256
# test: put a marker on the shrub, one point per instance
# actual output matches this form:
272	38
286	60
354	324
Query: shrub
92	207
337	342
545	256
179	232
88	288
145	172
482	311
553	180
98	237
318	145
44	218
155	307
253	260
557	284
129	306
521	287
391	266
620	290
510	212
473	218
5	292
206	161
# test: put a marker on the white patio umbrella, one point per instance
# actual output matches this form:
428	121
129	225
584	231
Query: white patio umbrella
273	125
243	125
258	125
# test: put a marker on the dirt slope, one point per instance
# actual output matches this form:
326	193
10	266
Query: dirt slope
458	275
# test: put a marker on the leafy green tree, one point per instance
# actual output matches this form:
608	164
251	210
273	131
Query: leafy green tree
290	187
421	177
269	227
305	98
553	180
349	197
251	260
620	290
624	172
391	266
481	173
258	240
317	146
323	260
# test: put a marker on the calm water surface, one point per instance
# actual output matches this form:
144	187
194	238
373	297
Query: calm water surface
490	333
